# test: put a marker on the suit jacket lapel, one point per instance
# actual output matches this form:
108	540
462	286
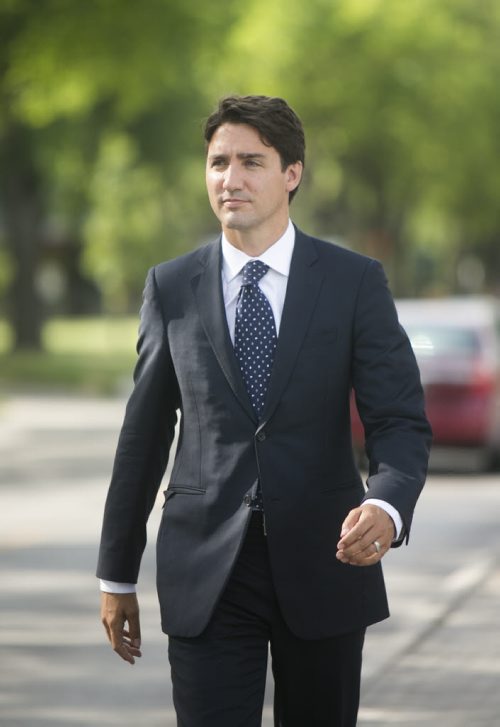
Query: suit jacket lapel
304	284
207	288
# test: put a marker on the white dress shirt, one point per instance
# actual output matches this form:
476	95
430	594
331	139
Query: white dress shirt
273	284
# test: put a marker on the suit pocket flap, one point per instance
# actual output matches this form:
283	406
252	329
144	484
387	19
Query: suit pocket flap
182	490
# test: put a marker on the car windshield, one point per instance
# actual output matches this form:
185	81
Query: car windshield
441	340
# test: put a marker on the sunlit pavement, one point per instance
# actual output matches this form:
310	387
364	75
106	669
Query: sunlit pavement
451	676
436	661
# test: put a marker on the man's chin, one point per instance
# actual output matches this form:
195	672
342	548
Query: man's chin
236	222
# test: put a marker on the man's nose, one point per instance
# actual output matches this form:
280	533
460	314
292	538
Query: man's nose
232	177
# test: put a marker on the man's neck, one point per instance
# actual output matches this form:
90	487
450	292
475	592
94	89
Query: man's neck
254	242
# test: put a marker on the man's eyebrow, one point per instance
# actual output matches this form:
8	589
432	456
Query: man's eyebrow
241	155
250	155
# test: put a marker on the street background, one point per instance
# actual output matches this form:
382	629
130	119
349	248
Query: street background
102	176
436	661
102	153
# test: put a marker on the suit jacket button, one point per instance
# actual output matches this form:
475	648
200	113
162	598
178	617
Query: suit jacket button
261	436
247	500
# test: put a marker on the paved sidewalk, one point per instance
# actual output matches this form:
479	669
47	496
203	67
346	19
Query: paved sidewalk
435	662
451	676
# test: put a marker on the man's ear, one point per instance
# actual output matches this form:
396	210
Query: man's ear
293	176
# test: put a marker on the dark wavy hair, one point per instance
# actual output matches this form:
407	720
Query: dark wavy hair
276	123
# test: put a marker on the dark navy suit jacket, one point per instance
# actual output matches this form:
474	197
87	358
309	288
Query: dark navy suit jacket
339	330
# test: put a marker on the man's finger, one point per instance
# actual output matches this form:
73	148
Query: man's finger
364	556
360	550
363	527
106	628
134	628
123	646
350	521
116	611
133	640
355	526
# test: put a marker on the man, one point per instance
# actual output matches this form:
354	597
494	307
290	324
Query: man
267	535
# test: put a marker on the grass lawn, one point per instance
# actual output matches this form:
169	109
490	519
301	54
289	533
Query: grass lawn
91	355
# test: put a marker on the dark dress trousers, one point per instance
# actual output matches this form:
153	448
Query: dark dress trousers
339	330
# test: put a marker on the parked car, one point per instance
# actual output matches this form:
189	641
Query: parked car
457	346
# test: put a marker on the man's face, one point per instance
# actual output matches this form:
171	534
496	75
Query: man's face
247	188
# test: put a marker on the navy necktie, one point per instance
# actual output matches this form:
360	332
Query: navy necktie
254	334
255	343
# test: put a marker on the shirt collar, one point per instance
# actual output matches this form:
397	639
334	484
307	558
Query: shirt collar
278	256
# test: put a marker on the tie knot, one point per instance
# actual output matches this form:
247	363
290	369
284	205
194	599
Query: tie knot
253	271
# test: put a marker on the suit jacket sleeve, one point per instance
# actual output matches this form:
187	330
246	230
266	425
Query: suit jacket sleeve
390	399
143	447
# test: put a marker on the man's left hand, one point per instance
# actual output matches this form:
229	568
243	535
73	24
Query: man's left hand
363	529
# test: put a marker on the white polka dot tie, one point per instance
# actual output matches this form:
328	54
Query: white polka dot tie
255	334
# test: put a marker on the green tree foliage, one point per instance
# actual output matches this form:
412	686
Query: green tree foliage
401	103
101	110
96	93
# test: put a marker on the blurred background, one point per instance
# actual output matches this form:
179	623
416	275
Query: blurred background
102	104
102	162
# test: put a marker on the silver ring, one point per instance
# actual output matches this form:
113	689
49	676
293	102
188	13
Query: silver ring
377	545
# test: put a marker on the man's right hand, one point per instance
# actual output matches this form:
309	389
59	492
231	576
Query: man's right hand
118	609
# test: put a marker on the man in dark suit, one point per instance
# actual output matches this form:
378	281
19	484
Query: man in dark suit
267	534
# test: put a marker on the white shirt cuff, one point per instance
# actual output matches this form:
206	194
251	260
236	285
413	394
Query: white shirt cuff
391	511
114	587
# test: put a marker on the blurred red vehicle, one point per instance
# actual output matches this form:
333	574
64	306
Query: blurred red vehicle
457	345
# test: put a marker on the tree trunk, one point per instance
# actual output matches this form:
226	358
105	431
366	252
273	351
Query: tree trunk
21	200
